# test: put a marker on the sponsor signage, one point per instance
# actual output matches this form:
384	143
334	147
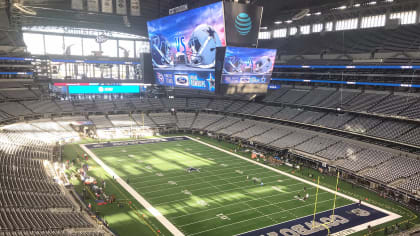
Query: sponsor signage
102	89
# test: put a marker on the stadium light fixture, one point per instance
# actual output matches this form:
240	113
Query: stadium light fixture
278	22
309	14
372	3
317	13
264	27
289	21
389	0
356	5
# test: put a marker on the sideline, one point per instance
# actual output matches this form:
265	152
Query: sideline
165	222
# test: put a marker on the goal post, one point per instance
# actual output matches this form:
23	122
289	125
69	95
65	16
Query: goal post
325	225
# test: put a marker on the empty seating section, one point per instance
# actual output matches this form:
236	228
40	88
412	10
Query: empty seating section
339	150
274	94
40	220
411	137
101	122
122	105
54	129
361	124
291	96
411	184
250	108
27	191
271	135
225	122
308	117
364	101
141	104
18	94
237	127
24	199
143	120
104	105
203	120
259	128
394	169
334	120
177	103
338	98
413	111
366	158
122	120
291	140
156	103
390	129
65	106
315	96
393	105
185	120
198	103
219	105
163	118
5	117
14	109
236	107
268	111
66	121
41	107
315	144
287	113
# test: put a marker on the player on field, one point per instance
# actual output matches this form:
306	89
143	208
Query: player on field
192	169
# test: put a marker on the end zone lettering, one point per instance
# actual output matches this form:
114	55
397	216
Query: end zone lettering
346	217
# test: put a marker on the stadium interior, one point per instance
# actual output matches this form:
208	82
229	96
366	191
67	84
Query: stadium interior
342	101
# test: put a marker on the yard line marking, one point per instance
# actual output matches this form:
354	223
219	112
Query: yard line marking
236	212
186	186
215	167
162	219
235	203
224	171
222	226
179	200
189	179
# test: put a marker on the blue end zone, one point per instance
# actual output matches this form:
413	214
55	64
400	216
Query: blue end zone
135	142
345	217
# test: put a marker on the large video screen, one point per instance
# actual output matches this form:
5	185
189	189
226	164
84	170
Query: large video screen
248	65
183	47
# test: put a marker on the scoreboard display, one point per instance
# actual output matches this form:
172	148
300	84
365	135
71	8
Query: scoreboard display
246	70
183	47
248	65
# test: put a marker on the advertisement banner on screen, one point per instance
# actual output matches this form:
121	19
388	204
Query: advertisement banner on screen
248	65
102	89
183	46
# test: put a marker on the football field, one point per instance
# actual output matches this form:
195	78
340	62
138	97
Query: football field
222	195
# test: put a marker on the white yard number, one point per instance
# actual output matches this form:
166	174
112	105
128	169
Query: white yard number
222	216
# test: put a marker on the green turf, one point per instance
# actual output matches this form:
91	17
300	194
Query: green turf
220	185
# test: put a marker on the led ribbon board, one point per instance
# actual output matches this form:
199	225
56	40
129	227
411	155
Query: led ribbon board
103	89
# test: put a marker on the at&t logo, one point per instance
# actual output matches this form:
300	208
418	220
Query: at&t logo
243	24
